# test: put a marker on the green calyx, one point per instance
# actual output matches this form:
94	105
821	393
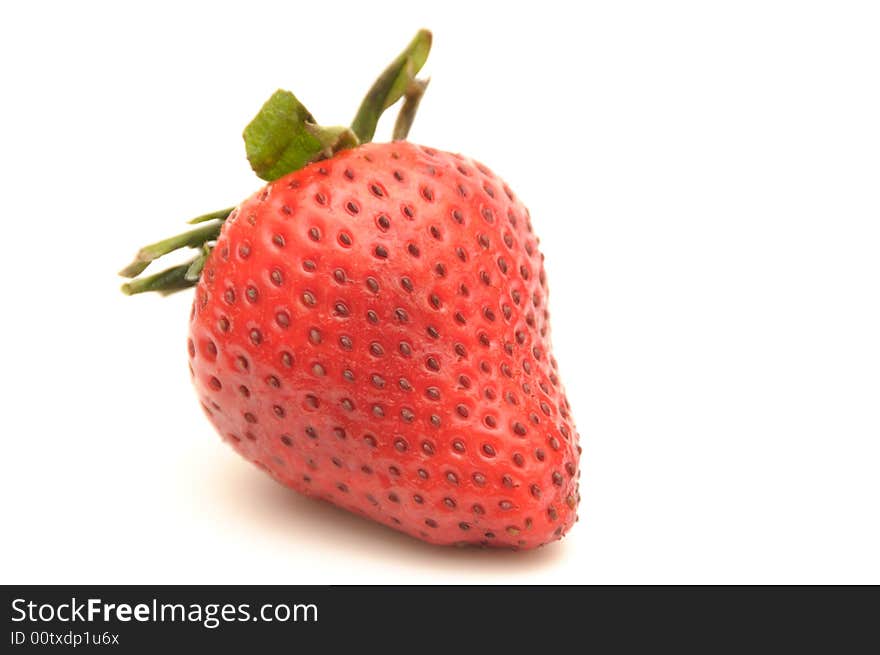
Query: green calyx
284	137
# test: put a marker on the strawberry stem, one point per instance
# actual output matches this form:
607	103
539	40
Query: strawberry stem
391	86
407	113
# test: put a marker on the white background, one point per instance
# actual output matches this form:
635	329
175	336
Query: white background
705	178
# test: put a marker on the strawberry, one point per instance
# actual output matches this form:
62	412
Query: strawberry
371	328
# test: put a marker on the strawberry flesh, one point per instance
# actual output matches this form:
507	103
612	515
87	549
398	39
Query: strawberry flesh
372	330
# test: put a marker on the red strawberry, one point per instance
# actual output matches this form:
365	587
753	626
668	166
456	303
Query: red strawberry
372	329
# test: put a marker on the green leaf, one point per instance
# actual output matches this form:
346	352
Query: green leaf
283	137
192	239
222	214
167	282
391	85
198	265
